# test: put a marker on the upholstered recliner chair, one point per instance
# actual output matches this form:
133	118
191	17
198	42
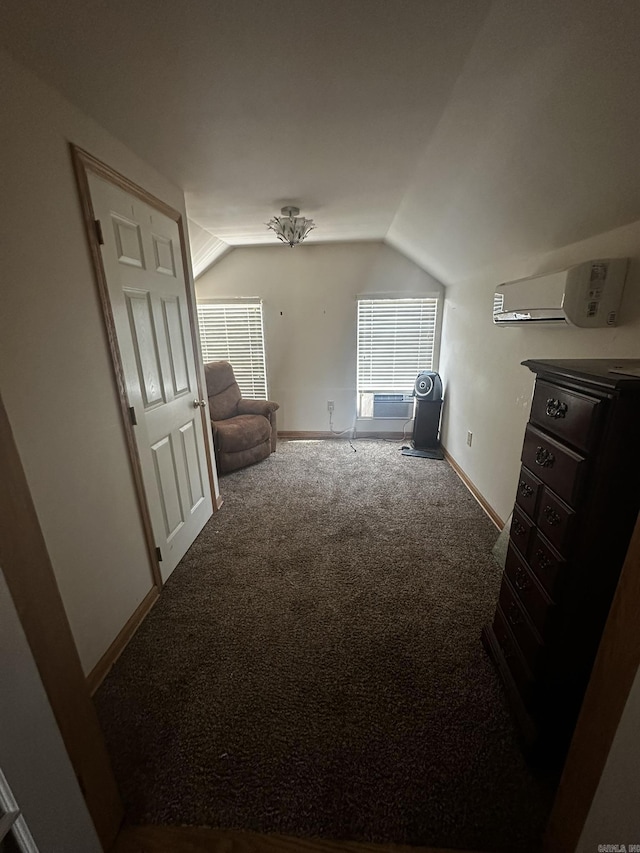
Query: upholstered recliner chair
244	431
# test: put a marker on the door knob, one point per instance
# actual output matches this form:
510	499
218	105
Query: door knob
199	404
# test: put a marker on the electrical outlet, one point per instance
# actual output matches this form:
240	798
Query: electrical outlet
329	405
469	438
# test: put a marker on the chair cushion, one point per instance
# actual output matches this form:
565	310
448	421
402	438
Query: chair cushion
218	376
222	390
242	432
227	462
225	404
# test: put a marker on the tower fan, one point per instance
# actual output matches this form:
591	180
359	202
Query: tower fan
425	442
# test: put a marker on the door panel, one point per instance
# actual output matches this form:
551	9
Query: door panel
168	488
145	346
176	344
164	255
192	465
147	291
128	241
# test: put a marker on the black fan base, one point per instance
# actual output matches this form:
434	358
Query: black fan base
430	453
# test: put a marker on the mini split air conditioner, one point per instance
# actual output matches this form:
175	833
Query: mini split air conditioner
587	294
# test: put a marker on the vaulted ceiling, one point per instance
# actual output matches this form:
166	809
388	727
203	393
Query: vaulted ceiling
459	131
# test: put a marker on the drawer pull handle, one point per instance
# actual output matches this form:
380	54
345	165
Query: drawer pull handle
552	516
525	489
522	580
543	561
544	457
556	409
517	527
514	615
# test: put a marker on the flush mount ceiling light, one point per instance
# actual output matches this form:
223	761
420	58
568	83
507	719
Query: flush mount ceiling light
289	227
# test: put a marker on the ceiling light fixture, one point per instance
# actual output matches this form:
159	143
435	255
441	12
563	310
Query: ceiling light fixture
291	228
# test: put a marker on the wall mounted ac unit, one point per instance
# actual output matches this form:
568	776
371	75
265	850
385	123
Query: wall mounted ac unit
587	294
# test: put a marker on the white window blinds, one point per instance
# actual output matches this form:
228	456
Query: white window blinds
232	331
396	339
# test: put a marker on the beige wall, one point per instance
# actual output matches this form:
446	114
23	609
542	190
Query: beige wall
487	391
32	754
55	370
309	304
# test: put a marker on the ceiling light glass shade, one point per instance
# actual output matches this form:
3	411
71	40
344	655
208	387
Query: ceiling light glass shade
291	228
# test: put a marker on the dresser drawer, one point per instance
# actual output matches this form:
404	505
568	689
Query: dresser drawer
555	520
521	530
546	564
528	492
557	466
533	597
513	657
574	418
528	640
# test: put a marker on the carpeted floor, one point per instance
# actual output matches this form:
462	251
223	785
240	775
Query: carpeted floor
314	664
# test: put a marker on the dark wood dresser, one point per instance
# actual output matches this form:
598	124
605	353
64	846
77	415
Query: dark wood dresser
577	501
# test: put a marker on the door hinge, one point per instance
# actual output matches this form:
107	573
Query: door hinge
98	228
132	415
159	554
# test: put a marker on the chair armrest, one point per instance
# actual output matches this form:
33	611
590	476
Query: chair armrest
257	407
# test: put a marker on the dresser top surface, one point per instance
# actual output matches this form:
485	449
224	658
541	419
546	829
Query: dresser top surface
606	373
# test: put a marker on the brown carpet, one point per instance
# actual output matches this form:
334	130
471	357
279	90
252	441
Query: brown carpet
314	664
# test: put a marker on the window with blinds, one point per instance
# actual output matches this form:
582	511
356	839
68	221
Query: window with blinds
396	340
233	331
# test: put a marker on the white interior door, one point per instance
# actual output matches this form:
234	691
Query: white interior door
146	281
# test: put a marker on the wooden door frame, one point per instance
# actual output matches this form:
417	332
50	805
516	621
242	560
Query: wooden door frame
85	164
612	676
31	581
26	564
